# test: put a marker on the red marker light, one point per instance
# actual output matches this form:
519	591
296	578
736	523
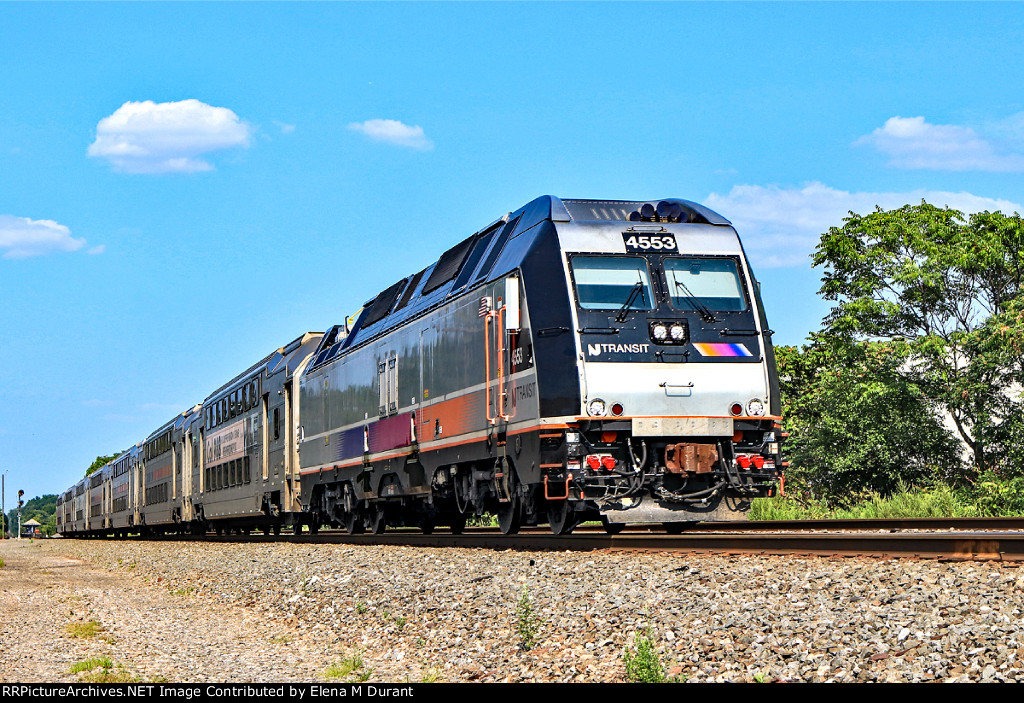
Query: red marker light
594	462
757	461
608	462
744	461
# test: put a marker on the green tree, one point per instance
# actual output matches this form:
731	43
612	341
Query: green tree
943	293
856	424
100	462
41	508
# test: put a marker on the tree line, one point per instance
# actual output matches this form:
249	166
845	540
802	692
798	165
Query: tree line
914	378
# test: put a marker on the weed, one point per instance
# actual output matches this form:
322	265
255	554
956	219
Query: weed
351	668
187	591
2	564
280	639
102	670
385	616
400	622
84	630
760	677
431	676
90	664
526	622
361	607
642	662
420	642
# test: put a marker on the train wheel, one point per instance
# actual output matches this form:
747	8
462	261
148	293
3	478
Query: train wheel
353	518
427	527
457	524
353	522
612	528
510	513
561	517
676	528
378	521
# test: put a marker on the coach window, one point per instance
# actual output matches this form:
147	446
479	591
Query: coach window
277	424
610	282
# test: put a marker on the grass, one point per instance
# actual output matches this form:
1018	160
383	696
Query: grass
485	520
84	630
526	621
351	668
2	564
939	501
361	607
987	495
400	622
90	664
642	662
102	670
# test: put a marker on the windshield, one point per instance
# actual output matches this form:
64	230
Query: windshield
711	283
609	282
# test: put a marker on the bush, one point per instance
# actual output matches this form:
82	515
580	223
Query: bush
642	663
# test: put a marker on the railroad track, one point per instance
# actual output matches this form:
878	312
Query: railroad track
998	539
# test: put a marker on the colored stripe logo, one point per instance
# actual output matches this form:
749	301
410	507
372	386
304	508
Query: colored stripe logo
720	349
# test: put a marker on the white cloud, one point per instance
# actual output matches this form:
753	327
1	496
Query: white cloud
98	249
781	226
394	132
284	127
149	137
912	143
22	237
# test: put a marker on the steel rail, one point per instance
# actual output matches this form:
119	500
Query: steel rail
874	524
962	546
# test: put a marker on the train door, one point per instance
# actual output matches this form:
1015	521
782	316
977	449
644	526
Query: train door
291	468
186	476
501	321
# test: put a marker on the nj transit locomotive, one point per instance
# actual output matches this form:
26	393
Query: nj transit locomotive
574	360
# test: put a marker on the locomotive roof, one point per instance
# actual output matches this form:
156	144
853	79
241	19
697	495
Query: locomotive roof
485	255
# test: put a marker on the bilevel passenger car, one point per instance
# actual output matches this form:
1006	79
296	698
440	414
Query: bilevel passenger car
573	360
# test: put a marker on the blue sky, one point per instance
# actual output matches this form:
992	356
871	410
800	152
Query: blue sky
185	187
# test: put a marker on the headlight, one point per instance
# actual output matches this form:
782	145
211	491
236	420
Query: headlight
669	331
755	407
597	408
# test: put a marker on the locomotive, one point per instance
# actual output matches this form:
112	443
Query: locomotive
574	360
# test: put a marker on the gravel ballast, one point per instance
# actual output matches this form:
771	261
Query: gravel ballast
191	612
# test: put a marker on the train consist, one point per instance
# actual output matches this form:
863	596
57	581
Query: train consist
574	360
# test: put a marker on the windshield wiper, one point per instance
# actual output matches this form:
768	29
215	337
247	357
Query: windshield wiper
624	310
695	302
